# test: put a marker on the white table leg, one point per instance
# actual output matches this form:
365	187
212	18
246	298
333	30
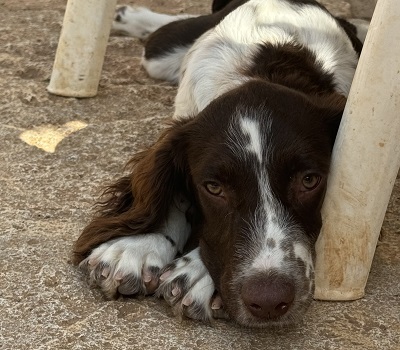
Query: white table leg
366	160
81	48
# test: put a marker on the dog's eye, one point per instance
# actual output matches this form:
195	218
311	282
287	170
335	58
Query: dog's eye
311	181
213	188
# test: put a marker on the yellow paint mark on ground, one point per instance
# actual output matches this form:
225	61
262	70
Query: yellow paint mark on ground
47	137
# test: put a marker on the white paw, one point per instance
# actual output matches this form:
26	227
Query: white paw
129	265
140	22
133	21
187	286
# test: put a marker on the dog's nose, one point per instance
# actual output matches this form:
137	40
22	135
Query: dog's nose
268	297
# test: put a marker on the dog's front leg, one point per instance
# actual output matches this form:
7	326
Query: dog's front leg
131	265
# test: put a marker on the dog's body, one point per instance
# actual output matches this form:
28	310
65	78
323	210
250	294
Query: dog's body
241	174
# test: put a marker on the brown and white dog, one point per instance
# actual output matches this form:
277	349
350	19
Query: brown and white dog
235	185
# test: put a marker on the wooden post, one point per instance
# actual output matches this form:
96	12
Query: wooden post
366	160
81	48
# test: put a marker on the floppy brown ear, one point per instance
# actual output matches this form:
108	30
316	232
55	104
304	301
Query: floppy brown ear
331	107
334	107
139	203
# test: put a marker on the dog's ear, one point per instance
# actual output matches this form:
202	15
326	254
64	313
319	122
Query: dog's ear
332	124
139	202
332	111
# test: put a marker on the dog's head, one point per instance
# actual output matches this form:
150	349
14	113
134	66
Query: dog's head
254	165
257	161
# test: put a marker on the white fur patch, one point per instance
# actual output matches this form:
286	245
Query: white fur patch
244	128
251	128
269	224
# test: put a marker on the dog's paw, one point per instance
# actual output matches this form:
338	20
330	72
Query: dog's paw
140	22
134	21
129	265
187	286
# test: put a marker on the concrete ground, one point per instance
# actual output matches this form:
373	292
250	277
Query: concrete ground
47	190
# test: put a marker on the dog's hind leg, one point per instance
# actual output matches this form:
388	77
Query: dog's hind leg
140	22
166	43
168	37
166	48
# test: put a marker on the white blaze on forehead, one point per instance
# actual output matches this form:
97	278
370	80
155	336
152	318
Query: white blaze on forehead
251	128
269	225
269	221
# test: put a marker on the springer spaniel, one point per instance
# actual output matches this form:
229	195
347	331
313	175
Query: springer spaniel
220	216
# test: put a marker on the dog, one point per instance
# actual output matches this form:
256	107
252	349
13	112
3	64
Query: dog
220	216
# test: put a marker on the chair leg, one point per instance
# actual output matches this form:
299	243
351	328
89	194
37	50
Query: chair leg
81	48
366	161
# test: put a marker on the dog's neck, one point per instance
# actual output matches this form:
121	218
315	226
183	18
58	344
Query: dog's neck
293	66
